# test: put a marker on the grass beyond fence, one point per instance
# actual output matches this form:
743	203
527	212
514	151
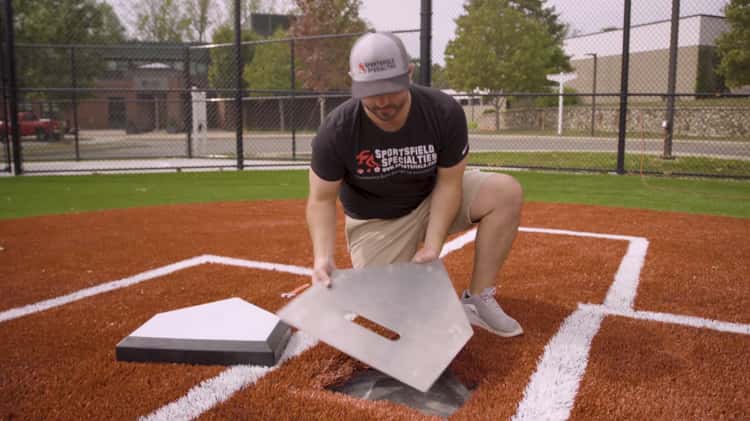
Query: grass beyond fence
603	161
42	195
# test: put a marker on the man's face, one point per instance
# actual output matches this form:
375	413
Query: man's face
387	106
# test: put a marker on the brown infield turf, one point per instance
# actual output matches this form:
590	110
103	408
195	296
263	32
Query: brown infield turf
59	363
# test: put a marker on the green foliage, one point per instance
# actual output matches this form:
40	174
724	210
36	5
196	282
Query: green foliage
708	81
439	78
500	49
221	73
734	46
58	22
554	101
271	65
202	14
162	21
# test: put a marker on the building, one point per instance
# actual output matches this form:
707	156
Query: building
649	58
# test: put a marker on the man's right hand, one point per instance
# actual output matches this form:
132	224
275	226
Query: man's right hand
322	271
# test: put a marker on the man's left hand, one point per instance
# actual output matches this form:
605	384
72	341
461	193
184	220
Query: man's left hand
425	255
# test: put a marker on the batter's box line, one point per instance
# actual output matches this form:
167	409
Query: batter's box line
689	321
40	306
216	390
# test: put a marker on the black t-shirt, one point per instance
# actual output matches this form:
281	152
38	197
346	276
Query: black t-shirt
387	175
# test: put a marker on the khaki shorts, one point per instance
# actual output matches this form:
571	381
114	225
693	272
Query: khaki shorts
378	242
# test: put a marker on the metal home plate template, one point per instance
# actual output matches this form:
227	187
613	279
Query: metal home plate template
416	301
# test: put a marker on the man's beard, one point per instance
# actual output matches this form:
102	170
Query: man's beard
388	112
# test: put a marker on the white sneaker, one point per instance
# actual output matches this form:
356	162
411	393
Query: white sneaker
484	311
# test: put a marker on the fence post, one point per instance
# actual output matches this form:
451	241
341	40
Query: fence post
238	87
425	39
624	90
74	85
293	82
669	123
4	112
10	42
187	102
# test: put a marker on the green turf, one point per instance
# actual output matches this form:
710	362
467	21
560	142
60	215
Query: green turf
26	196
41	195
690	165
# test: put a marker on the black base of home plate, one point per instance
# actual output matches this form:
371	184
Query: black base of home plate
209	352
226	332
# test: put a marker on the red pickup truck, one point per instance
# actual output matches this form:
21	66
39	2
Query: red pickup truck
41	128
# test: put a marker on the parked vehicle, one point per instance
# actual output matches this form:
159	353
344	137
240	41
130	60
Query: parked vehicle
41	128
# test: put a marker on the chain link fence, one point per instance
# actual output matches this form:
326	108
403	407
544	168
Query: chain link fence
168	105
708	133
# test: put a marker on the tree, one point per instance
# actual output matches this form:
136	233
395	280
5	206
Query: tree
221	73
439	79
62	22
270	66
734	46
249	7
536	10
547	16
499	49
202	15
161	21
324	64
270	69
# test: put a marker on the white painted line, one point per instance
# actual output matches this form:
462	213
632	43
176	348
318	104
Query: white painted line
458	242
40	306
99	289
691	321
621	294
552	389
252	264
565	355
578	234
216	390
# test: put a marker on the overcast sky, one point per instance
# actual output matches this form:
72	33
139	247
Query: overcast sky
584	16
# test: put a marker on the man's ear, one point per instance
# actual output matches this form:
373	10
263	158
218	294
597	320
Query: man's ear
411	68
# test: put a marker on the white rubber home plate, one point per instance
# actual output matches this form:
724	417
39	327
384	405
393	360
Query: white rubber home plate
225	332
416	301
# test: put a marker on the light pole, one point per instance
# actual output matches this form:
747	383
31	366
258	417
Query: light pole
593	96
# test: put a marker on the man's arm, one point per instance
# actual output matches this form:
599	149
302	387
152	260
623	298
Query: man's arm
446	198
321	222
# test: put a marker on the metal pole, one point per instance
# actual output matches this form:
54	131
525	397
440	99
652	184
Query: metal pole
238	91
74	83
188	101
293	82
425	39
593	97
560	106
673	38
10	40
624	89
4	111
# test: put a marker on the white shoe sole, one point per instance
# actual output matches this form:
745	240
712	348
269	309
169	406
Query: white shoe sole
471	313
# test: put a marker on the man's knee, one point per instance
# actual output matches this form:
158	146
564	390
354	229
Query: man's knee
505	191
499	194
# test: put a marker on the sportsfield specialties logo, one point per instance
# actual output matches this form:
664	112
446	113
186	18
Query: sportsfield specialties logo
377	66
390	160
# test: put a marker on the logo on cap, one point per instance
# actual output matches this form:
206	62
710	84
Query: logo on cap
377	66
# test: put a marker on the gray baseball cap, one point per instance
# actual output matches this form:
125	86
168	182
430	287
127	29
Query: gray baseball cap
378	64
